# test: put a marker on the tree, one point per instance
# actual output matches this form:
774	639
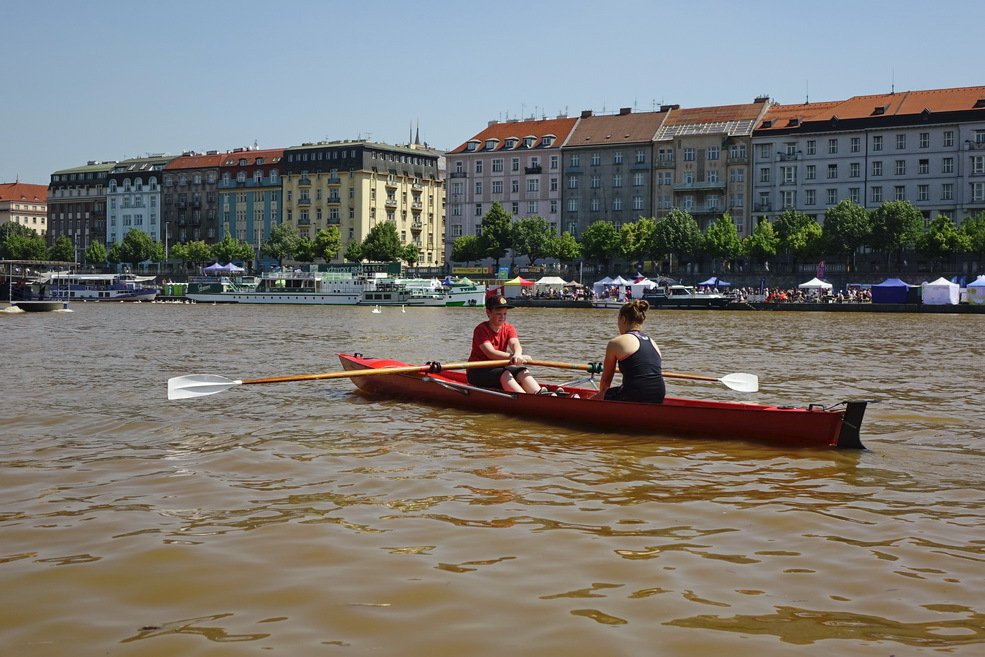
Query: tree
532	237
566	248
847	226
974	228
677	233
636	239
411	253
136	247
466	249
762	244
282	243
328	242
382	244
62	249
96	253
895	225
721	239
306	251
229	249
497	232
942	240
354	252
601	243
18	242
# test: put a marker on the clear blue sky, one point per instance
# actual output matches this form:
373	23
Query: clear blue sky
106	80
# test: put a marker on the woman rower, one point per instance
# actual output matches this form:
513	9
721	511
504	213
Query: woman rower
637	357
494	339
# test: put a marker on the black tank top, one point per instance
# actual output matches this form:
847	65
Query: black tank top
642	379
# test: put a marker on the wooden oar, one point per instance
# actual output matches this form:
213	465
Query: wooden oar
738	381
200	385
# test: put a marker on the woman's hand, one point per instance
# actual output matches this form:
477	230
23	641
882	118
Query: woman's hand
519	359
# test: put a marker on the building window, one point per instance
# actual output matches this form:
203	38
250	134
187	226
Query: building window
855	145
596	204
553	206
640	157
924	140
765	151
854	193
877	168
497	166
789	199
515	164
617	180
832	196
596	182
789	175
553	184
900	191
688	154
616	204
572	205
515	186
478	166
832	171
875	194
877	142
478	209
764	175
497	187
811	147
810	197
947	165
947	192
572	182
832	146
555	162
900	167
637	202
575	161
901	142
978	192
923	167
854	170
713	152
478	188
923	192
532	207
948	138
978	164
596	159
811	172
617	157
637	180
533	184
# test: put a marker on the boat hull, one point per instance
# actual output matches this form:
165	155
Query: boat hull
40	306
787	427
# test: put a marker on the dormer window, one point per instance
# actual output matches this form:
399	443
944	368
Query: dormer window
878	111
472	146
528	141
768	123
259	161
511	143
491	144
980	103
548	141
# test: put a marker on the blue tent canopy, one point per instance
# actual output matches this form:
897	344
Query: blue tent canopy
891	290
716	282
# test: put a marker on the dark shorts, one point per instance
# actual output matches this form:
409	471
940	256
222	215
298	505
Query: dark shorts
488	377
616	393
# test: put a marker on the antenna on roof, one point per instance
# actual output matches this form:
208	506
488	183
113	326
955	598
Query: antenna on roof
807	92
892	85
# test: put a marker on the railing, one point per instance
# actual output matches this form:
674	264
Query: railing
304	180
534	169
458	174
663	163
704	185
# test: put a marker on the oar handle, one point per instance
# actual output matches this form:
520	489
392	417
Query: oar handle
383	371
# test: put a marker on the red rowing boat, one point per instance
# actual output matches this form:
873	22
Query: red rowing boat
813	426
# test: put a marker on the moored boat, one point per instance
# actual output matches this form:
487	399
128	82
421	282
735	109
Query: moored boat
421	292
68	286
685	297
284	287
811	426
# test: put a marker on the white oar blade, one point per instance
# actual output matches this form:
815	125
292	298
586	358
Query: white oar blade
741	382
198	385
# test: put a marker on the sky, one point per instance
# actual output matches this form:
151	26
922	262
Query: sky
112	79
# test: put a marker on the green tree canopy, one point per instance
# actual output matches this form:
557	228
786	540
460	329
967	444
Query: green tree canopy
974	228
382	244
942	239
721	239
96	253
282	243
566	248
895	225
677	233
62	249
136	247
466	249
799	234
305	251
763	243
601	243
411	254
229	249
18	242
328	243
497	232
847	226
354	252
636	239
533	237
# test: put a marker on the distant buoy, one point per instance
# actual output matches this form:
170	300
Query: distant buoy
377	309
403	309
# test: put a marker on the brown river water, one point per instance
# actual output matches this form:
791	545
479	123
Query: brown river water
305	519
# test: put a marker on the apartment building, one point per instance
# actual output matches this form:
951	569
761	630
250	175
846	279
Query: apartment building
25	204
249	190
608	168
514	162
77	204
356	184
133	197
189	203
702	162
925	147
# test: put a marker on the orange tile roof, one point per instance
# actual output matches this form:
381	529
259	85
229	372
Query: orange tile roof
502	131
608	129
18	191
717	114
269	155
195	161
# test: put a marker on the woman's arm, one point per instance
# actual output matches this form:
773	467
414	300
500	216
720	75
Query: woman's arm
612	351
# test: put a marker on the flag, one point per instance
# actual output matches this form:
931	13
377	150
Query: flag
820	270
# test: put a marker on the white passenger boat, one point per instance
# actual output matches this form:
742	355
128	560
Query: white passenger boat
286	287
422	292
68	286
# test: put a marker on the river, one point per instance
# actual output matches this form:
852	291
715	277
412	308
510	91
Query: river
305	519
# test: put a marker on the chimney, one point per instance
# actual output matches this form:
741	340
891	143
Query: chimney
623	111
667	108
586	113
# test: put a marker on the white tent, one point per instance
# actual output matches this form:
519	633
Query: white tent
550	282
976	291
600	286
815	284
940	292
619	280
641	286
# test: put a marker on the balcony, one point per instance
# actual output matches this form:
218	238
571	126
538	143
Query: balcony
334	199
458	174
738	159
763	207
391	202
417	226
666	163
334	180
417	206
787	157
417	186
391	184
304	180
699	186
304	200
534	169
